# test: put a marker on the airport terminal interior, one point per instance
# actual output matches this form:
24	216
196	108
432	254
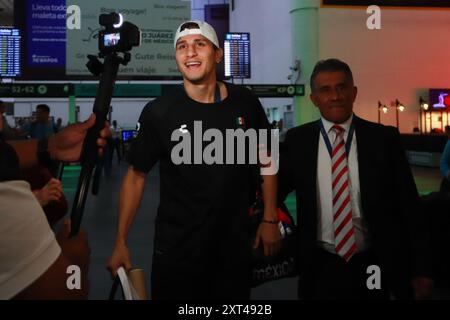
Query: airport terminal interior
398	55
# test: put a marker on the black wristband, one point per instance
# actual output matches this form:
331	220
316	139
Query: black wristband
270	221
42	152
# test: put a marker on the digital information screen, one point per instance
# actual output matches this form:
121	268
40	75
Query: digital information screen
128	134
237	55
111	39
9	52
439	99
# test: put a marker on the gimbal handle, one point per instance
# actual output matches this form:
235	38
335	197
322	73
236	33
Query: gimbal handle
89	155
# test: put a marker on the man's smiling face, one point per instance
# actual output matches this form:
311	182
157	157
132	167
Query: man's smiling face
196	58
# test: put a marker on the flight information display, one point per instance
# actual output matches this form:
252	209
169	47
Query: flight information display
9	52
237	55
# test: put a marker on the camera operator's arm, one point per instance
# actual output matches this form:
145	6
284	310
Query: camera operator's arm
64	146
34	263
53	283
130	199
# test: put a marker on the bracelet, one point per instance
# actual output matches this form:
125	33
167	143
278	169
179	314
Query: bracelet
270	221
42	152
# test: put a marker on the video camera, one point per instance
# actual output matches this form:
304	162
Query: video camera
118	35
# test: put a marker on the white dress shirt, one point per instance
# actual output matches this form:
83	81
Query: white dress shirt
325	229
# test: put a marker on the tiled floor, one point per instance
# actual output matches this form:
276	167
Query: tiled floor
100	218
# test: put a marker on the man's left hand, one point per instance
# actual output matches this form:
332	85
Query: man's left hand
423	288
66	145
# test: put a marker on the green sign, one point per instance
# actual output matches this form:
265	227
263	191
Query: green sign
276	90
121	90
156	90
89	90
29	90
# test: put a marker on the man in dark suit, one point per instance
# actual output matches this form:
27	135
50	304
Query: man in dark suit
360	231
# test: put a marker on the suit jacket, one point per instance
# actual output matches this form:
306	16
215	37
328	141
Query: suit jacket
389	199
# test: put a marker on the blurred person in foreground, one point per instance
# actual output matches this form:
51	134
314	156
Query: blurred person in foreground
33	261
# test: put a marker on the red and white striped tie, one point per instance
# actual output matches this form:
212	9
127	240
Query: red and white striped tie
344	231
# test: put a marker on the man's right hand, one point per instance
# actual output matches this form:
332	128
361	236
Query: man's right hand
66	145
119	258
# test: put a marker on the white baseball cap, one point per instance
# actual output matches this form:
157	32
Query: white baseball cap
204	29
